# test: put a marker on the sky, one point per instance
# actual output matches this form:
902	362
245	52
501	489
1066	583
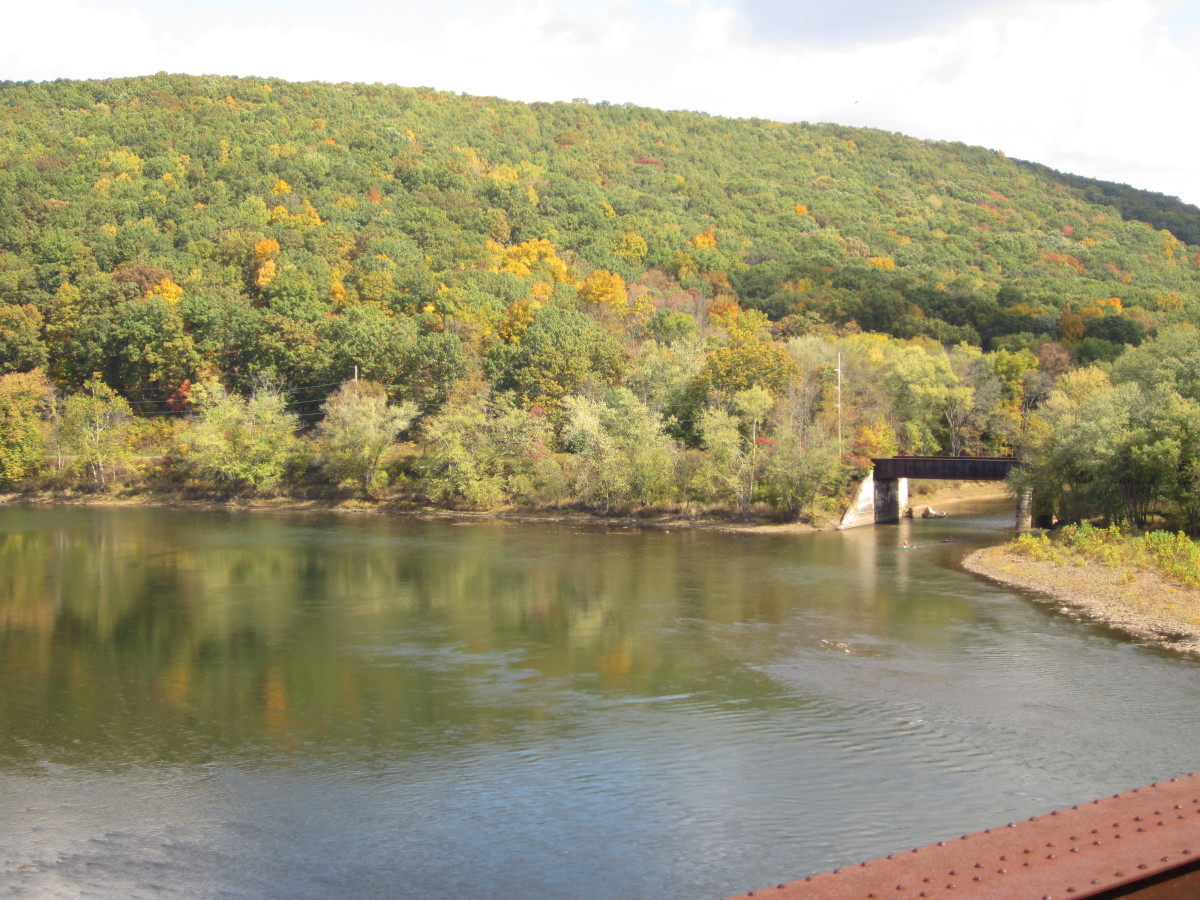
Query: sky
1103	88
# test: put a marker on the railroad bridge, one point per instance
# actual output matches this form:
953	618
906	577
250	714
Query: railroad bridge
883	496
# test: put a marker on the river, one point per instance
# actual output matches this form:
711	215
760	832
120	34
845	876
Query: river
258	705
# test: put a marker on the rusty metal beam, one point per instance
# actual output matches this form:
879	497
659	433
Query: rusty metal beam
1144	843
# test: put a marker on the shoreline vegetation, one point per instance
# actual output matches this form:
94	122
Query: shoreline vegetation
944	498
1146	586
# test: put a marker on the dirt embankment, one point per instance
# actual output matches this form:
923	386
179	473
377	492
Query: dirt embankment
1141	604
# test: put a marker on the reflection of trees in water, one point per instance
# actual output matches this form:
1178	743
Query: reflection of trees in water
147	628
167	633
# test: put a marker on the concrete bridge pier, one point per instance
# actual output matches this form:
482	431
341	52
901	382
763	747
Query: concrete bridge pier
880	501
1025	510
891	500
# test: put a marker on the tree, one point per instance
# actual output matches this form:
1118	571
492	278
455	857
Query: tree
803	462
22	429
152	353
95	426
21	345
621	452
734	450
482	454
358	427
561	351
243	443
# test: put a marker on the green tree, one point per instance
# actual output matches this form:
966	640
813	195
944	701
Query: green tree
358	427
734	448
95	427
561	351
21	344
482	454
620	450
239	442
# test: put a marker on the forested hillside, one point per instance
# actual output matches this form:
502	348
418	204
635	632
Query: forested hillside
168	232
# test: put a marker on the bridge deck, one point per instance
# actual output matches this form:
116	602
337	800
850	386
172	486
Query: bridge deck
1144	843
950	468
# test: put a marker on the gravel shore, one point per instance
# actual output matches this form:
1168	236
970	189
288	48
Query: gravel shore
1142	605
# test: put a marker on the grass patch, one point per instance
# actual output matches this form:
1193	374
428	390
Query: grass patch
1172	556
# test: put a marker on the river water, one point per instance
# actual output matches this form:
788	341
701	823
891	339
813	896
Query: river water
208	704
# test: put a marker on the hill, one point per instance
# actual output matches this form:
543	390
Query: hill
162	229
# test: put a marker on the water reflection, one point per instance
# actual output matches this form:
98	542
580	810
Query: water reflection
337	705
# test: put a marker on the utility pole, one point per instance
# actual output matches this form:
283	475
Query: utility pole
839	401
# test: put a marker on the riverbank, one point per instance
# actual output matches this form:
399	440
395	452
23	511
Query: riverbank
1141	604
944	497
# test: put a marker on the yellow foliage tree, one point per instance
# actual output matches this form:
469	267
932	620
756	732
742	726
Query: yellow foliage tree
705	239
517	319
281	187
604	288
524	258
267	270
266	248
631	247
168	290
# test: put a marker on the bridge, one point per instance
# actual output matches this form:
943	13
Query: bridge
1143	843
883	496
